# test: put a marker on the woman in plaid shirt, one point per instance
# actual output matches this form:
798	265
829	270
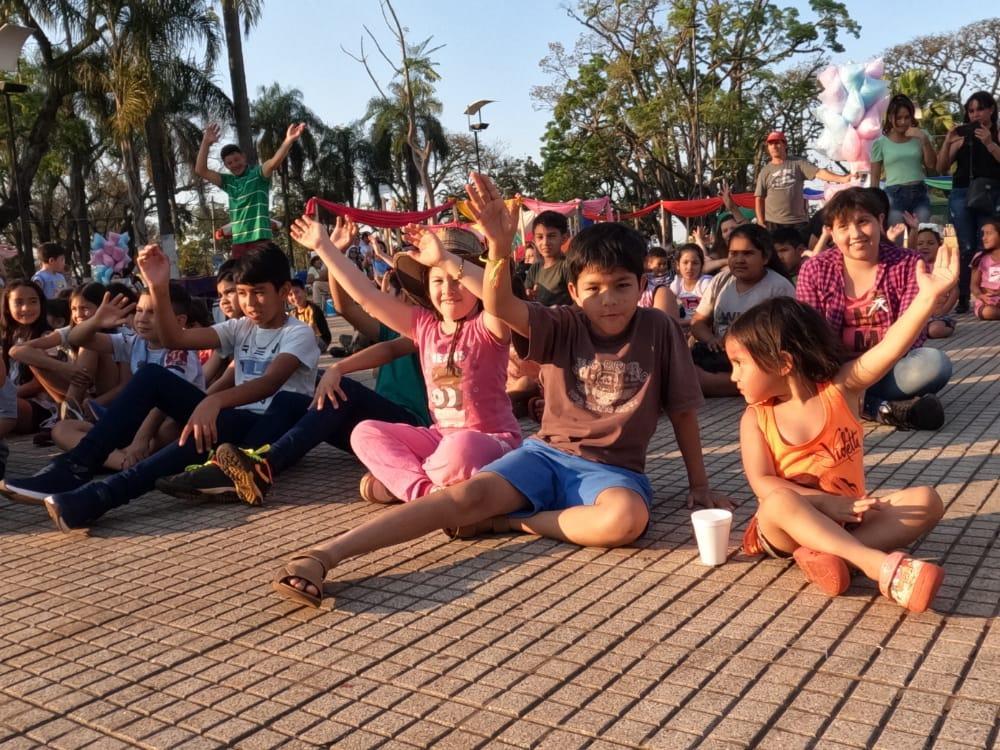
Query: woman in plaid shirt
861	286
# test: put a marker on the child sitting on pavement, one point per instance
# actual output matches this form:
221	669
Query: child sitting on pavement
137	350
942	322
609	368
309	313
986	273
802	446
275	372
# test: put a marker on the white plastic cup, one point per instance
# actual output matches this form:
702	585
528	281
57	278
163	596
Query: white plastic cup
711	531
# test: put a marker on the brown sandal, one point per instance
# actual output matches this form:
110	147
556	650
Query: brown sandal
303	566
495	525
372	490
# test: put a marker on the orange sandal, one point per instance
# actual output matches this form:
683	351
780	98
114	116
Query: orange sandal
826	571
909	582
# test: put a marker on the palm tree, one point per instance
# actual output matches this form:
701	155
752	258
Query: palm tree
232	11
271	113
935	106
338	170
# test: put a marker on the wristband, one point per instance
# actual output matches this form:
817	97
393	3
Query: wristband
493	266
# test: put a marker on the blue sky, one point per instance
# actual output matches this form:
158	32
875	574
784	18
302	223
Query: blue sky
492	51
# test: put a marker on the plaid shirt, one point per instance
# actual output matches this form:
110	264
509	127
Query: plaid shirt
821	284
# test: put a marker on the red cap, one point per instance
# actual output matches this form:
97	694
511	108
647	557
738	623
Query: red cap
777	136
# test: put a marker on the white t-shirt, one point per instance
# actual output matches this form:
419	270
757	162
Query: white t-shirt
723	303
254	349
129	347
687	301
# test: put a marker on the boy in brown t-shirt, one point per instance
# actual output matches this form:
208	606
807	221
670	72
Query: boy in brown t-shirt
609	369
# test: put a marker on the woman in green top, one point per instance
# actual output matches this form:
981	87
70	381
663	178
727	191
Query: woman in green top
904	156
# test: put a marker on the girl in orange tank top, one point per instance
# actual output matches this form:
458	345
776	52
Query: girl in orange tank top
802	445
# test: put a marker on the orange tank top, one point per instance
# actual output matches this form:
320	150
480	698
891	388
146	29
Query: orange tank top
833	461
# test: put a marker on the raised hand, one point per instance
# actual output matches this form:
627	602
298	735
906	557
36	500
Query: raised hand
154	266
295	130
308	232
895	233
212	133
698	237
113	312
343	234
429	250
910	220
940	278
487	206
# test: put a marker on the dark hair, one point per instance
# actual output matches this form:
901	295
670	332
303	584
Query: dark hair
657	252
297	283
898	102
92	292
690	247
198	313
985	100
314	259
57	308
994	222
783	324
180	298
845	203
760	238
551	220
226	271
50	251
932	230
720	245
10	329
229	148
117	287
787	235
606	246
267	265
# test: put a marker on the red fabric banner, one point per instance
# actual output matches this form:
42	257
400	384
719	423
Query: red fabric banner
691	209
378	219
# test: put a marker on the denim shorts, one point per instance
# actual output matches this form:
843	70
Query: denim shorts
552	480
913	198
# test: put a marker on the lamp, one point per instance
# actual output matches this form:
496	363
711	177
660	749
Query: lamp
476	110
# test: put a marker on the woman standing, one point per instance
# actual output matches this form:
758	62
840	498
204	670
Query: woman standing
903	155
972	147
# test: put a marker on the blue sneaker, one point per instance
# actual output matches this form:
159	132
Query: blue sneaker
80	508
62	475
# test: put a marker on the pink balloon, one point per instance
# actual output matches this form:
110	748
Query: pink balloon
834	97
829	77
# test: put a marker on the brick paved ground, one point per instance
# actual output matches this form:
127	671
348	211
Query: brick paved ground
160	630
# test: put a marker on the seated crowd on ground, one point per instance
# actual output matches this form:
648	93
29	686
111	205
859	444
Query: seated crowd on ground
818	326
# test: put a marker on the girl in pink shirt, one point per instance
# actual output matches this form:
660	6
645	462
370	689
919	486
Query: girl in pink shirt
986	273
463	354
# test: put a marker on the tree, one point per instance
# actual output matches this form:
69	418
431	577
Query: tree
655	90
934	107
956	63
232	10
410	93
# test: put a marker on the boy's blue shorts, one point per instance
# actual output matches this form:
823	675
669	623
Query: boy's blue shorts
553	480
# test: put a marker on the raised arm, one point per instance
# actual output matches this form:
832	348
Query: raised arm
949	149
828	176
389	310
111	314
212	133
430	252
155	270
499	224
870	367
293	133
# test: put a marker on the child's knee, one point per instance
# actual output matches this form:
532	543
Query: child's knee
932	504
776	506
364	434
459	456
623	521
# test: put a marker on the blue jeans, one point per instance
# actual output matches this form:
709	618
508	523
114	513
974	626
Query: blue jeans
923	370
967	223
913	198
154	387
335	425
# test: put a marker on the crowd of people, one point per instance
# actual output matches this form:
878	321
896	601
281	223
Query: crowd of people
816	325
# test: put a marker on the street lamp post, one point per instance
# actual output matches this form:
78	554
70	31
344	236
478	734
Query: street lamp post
476	110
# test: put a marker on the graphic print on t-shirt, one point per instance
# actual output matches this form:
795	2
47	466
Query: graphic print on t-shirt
784	178
446	394
866	320
607	386
255	357
827	460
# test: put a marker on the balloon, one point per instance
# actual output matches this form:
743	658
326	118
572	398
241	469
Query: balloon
109	254
97	243
123	239
102	274
870	126
833	97
854	109
829	77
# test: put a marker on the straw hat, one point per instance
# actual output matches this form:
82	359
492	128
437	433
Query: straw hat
412	275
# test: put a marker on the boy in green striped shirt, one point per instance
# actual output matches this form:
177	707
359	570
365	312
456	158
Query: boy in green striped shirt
248	187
